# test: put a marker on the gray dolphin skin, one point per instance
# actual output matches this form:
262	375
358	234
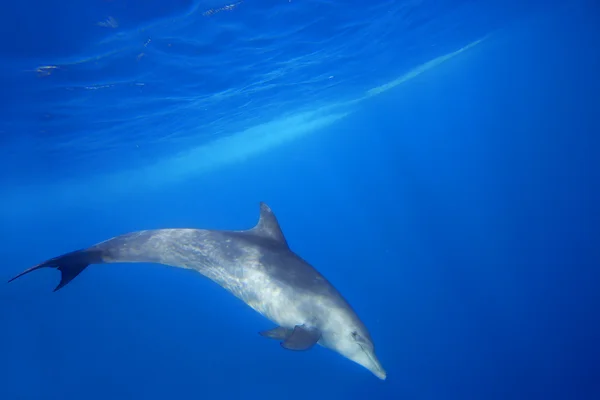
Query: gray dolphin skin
256	266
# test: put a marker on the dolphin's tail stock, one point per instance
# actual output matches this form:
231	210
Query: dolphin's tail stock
70	265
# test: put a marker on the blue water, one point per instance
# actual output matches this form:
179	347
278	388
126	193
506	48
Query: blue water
437	161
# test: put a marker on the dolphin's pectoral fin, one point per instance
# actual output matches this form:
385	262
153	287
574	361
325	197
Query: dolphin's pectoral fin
279	333
302	338
299	338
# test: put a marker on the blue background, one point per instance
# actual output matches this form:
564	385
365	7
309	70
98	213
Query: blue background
457	212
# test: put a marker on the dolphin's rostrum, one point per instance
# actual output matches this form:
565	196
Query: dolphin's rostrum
255	265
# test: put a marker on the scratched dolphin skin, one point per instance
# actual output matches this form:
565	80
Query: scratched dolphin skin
255	265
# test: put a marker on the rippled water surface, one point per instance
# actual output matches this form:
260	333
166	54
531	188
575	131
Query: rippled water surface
121	85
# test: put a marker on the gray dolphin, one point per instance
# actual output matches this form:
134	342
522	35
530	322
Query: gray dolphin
255	265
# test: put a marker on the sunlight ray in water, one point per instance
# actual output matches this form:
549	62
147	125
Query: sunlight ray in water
225	150
219	152
261	138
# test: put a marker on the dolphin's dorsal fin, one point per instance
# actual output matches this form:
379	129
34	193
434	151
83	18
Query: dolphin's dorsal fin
268	226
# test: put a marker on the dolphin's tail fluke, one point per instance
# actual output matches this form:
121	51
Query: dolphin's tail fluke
70	265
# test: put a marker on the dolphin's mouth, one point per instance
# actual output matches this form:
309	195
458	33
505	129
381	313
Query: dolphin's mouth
380	373
375	366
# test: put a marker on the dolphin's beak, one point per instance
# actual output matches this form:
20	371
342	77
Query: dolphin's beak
380	373
365	356
374	365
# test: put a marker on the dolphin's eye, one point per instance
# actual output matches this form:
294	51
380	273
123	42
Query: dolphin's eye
360	339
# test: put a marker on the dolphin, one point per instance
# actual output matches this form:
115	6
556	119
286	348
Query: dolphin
255	265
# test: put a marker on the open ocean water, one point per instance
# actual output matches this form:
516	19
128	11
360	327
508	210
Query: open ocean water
438	161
